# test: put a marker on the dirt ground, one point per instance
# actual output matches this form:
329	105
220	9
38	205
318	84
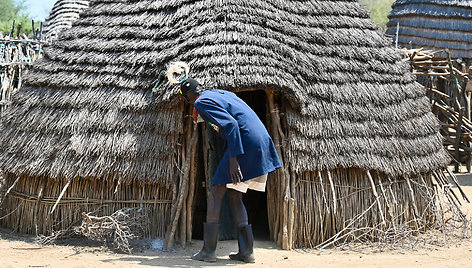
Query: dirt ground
19	251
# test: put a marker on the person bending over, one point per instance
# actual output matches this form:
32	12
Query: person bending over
250	155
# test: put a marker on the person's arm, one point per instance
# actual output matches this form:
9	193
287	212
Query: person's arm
214	113
211	111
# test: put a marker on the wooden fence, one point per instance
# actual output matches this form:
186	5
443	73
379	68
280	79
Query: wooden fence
16	54
449	88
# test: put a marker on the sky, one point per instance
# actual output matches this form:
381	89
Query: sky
39	9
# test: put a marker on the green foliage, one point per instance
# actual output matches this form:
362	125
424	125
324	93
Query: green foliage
11	10
379	10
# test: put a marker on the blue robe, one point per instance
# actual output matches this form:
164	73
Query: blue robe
246	136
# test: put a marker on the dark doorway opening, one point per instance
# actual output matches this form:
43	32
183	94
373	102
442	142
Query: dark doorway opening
256	202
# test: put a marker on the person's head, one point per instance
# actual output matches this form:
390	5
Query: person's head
189	88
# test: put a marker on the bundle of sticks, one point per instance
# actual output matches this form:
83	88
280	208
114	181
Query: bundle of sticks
119	228
449	87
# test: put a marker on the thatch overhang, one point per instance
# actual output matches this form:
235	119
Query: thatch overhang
62	15
349	104
433	24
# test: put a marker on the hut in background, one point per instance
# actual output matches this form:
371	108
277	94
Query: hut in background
433	24
85	133
445	28
62	15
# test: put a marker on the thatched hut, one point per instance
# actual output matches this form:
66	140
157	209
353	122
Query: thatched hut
433	24
62	15
85	133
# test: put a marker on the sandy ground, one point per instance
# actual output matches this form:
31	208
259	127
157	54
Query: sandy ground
19	251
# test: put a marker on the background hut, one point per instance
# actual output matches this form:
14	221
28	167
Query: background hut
62	15
433	24
445	28
354	131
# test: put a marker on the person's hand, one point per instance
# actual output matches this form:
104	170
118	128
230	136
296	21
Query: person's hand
235	170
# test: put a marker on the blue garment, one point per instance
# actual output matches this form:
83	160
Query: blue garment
246	136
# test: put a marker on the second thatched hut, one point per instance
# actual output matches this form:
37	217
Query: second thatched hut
433	24
62	15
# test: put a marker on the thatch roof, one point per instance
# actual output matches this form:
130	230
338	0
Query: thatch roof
433	24
83	111
62	15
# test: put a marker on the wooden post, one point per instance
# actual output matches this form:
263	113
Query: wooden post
458	96
415	209
191	193
183	213
468	103
9	189
191	140
333	191
374	190
38	203
285	240
60	196
323	191
205	160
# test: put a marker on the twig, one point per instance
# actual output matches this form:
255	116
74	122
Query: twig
454	179
60	196
334	192
376	197
415	209
323	191
9	189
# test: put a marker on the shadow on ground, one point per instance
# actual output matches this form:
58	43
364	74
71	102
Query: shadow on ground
173	261
465	179
181	257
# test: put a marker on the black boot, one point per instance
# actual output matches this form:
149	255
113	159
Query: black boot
245	244
210	238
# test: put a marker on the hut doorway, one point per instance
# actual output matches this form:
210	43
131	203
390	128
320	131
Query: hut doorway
256	202
208	156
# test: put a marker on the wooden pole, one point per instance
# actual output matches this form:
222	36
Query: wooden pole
169	239
323	191
192	187
205	160
9	189
454	179
333	191
384	193
374	190
458	96
415	209
60	196
183	216
284	239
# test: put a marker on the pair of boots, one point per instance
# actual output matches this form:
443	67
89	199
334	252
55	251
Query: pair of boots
210	238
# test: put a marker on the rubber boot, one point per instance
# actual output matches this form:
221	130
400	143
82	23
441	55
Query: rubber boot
245	244
210	238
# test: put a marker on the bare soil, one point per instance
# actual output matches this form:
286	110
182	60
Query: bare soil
19	251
